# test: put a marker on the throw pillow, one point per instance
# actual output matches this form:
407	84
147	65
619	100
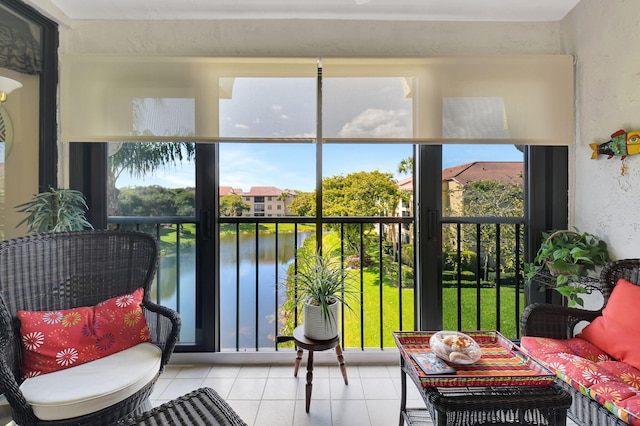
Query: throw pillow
615	332
55	340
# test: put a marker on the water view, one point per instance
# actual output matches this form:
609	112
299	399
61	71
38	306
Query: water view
244	276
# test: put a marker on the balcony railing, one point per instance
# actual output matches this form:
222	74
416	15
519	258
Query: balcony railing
484	255
482	288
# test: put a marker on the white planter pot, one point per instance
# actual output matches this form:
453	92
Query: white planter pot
316	327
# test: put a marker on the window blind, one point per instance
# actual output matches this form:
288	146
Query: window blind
491	99
510	99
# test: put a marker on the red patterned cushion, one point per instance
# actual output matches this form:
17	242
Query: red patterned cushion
56	340
624	372
615	332
589	370
539	346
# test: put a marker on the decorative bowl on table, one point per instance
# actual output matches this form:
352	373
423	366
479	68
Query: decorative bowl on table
455	347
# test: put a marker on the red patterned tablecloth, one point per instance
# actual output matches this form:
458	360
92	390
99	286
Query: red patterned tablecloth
501	364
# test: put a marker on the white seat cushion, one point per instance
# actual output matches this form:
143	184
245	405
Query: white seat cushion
92	386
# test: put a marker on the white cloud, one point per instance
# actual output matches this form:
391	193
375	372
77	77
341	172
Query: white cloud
284	116
276	107
379	123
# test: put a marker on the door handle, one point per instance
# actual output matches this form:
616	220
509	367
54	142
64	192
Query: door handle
432	223
205	224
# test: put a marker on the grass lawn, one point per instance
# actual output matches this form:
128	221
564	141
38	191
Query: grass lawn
390	317
168	235
508	317
372	314
226	228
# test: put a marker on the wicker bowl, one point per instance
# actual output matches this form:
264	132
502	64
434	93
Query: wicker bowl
455	347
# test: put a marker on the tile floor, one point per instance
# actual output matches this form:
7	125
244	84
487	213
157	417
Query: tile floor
271	396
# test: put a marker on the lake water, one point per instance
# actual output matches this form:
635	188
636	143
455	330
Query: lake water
242	280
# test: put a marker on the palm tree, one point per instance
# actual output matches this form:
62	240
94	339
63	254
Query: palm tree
406	166
284	196
140	158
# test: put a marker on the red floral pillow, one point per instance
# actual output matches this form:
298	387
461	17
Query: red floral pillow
56	340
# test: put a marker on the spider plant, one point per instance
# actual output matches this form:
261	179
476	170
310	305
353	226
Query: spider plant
323	281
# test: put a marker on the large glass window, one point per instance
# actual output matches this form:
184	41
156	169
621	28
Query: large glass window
270	151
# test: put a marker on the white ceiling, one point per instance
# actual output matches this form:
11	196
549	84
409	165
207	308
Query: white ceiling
412	10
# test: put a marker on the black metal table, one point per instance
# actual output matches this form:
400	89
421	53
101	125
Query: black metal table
500	405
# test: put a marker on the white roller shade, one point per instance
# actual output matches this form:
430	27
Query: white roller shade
494	99
116	98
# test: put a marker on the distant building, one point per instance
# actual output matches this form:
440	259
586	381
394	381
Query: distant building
405	209
228	190
455	178
268	201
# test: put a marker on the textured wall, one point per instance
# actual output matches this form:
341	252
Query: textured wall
302	38
605	38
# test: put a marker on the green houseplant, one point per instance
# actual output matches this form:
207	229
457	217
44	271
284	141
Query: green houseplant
568	256
55	210
321	284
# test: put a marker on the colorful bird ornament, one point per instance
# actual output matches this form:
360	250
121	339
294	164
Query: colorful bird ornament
621	144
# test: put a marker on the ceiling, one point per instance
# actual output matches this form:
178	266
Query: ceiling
410	10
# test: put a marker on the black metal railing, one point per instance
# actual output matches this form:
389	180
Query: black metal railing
489	250
256	254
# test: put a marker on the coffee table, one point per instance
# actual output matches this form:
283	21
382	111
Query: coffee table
529	396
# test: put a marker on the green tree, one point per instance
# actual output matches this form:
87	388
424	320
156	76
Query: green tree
360	194
155	200
141	158
490	198
356	194
493	198
303	204
233	205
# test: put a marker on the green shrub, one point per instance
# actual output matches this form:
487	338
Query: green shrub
467	260
453	275
464	283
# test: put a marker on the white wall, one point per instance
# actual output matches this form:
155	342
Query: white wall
604	35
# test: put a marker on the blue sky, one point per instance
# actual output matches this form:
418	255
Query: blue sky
292	166
375	108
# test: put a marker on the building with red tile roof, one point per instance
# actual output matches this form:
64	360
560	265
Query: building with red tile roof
268	201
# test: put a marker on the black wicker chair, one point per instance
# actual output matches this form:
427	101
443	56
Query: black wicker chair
559	322
67	270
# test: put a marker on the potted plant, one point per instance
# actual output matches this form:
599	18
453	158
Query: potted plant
55	210
322	283
567	256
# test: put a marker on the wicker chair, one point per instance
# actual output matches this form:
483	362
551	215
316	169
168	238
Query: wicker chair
67	270
559	322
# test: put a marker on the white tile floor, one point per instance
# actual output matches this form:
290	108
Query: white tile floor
271	396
